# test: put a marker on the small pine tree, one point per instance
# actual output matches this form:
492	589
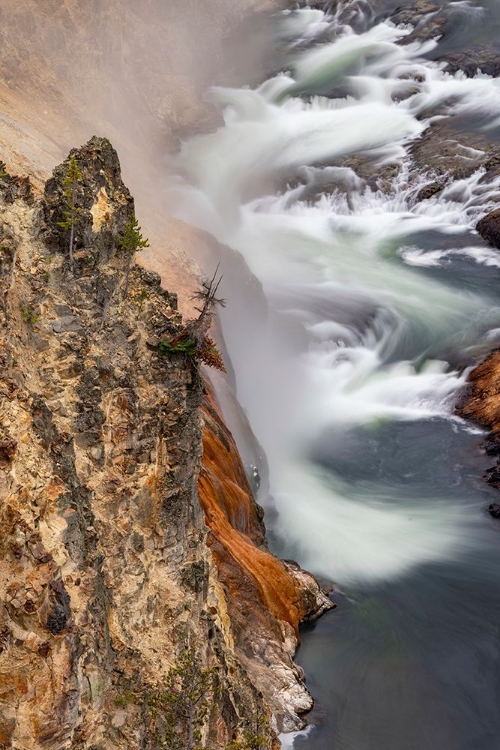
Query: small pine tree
180	710
3	170
130	243
210	354
71	184
207	295
28	314
194	338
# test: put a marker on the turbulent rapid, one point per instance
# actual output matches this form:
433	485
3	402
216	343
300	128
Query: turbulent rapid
351	382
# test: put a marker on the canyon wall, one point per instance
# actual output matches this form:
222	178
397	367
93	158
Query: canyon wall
130	530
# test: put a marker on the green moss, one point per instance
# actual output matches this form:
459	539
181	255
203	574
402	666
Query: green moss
188	346
28	314
127	699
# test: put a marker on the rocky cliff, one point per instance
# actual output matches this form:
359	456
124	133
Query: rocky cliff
137	72
129	527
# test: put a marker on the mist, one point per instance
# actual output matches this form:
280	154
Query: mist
135	72
356	336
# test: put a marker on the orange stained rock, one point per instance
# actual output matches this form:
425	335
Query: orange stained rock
231	514
55	488
482	399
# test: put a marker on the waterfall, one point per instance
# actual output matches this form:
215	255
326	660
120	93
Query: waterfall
380	292
346	266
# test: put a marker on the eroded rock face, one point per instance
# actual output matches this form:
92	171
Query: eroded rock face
98	482
105	570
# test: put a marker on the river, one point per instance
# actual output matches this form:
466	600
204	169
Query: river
378	297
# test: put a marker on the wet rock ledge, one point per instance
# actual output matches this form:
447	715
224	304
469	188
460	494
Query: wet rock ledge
129	529
480	402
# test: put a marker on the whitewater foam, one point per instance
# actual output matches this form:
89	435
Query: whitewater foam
356	328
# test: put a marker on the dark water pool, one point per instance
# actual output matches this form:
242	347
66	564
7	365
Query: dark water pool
413	663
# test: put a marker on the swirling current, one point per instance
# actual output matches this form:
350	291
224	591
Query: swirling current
379	295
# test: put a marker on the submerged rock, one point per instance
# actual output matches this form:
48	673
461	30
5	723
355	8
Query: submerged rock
484	58
492	445
430	20
494	510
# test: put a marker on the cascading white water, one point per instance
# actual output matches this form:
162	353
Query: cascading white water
343	268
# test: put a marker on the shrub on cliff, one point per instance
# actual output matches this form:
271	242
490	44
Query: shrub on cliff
194	339
28	314
130	243
186	346
180	709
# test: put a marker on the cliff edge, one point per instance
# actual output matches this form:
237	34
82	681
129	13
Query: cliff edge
130	534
